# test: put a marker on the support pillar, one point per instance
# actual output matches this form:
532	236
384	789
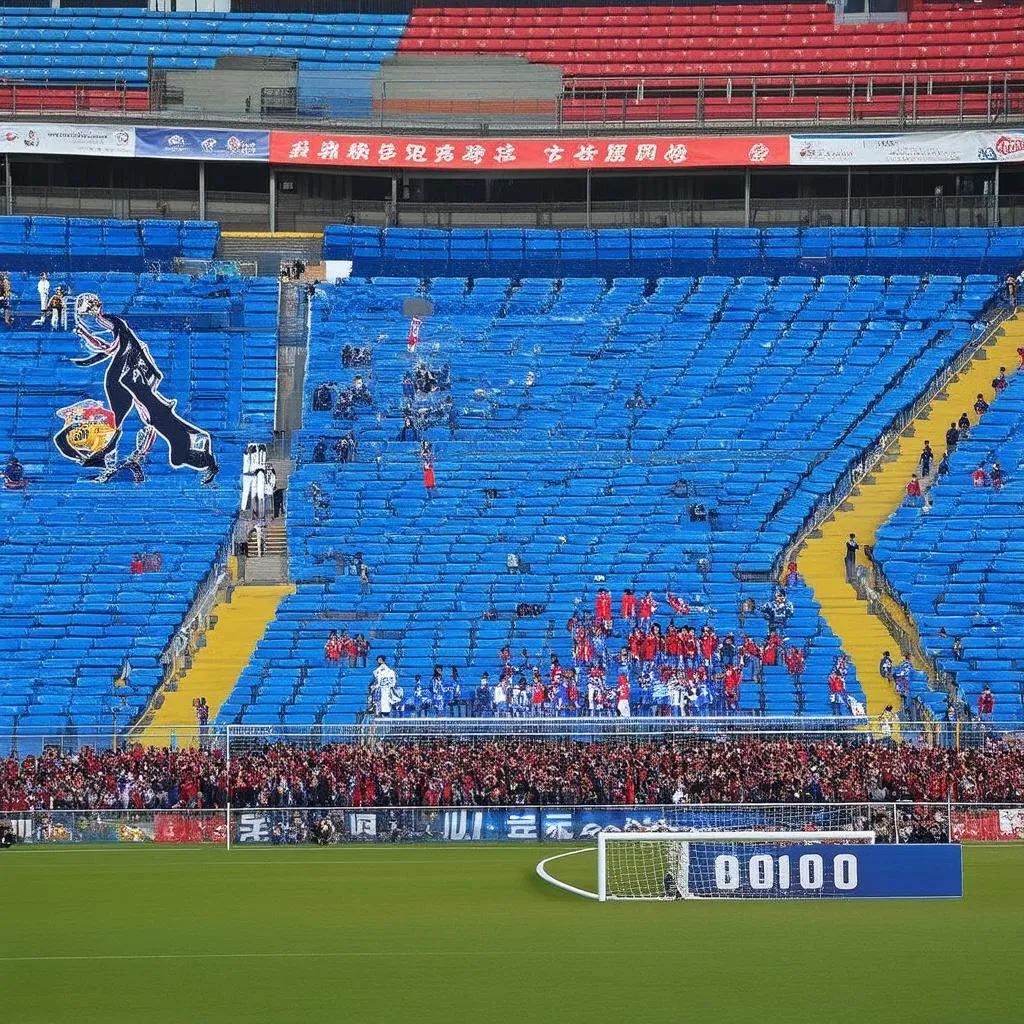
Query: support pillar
202	190
995	195
273	200
588	199
746	198
8	188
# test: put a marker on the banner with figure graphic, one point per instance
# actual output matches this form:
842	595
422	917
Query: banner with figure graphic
92	430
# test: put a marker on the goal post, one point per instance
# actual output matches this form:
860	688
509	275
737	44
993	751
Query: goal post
729	865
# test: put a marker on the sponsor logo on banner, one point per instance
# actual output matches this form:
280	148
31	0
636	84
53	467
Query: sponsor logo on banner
458	826
67	139
1010	146
906	149
530	154
195	144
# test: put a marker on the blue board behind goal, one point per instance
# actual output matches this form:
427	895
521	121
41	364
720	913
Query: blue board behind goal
824	870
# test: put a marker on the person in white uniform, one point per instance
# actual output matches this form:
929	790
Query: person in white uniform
384	681
248	477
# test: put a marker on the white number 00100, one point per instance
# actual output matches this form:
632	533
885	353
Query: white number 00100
767	872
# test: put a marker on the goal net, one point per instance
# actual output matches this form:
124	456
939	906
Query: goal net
729	865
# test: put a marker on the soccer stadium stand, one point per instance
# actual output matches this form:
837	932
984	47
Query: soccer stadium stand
956	568
513	773
551	480
69	244
667	47
654	252
76	614
97	45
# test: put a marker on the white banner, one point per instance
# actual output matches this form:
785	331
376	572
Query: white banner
906	149
67	139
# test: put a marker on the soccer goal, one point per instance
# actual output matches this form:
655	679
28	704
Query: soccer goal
745	865
722	865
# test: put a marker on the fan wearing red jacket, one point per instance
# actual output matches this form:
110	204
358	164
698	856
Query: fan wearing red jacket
603	609
627	607
538	696
752	653
623	689
837	693
688	645
795	662
634	642
731	686
770	651
649	648
648	606
582	649
708	644
673	646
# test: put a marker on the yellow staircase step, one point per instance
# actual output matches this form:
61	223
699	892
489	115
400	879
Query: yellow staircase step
820	559
216	666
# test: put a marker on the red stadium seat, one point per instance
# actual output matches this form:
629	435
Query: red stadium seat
626	44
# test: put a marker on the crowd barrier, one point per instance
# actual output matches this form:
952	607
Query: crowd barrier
240	738
897	822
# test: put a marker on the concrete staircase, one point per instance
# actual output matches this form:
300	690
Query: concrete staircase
864	636
227	647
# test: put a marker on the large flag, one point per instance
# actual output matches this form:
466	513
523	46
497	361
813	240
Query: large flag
414	332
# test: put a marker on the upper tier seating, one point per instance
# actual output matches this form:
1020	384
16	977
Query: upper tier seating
674	45
79	45
74	244
959	567
760	393
70	609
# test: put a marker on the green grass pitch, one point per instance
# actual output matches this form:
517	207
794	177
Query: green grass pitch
469	933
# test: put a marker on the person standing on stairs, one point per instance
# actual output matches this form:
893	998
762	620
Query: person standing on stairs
927	458
259	496
248	477
270	491
43	288
952	438
850	560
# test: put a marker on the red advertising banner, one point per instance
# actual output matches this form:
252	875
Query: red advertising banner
182	828
971	823
533	154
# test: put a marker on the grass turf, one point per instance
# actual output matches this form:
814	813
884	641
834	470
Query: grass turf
469	933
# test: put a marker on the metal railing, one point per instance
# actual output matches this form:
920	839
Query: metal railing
736	102
866	460
251	211
239	738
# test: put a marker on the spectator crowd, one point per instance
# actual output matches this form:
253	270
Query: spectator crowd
511	772
632	666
